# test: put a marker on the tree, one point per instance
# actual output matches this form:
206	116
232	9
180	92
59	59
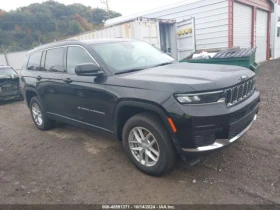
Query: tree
83	22
100	15
2	12
45	22
74	27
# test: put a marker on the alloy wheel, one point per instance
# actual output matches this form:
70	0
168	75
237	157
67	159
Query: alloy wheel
144	146
37	114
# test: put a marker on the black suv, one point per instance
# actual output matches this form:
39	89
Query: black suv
158	107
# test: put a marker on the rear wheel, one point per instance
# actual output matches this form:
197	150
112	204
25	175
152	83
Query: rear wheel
148	144
38	115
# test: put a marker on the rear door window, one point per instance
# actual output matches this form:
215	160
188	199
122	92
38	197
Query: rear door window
54	60
34	61
76	56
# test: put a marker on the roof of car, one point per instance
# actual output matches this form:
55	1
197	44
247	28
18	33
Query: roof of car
77	42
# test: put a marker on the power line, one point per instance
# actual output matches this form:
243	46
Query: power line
106	3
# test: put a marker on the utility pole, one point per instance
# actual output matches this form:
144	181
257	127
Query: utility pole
106	3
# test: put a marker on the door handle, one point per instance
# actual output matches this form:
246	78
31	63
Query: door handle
39	78
67	80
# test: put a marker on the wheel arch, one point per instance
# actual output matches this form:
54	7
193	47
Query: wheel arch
126	109
30	93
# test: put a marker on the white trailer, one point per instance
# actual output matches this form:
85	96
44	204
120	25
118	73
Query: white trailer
175	38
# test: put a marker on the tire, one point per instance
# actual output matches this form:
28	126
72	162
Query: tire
149	123
44	123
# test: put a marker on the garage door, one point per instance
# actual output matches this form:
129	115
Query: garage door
242	25
261	35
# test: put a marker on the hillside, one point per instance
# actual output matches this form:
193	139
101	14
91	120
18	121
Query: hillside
27	27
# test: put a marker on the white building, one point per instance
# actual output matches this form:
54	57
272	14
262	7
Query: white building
275	31
213	23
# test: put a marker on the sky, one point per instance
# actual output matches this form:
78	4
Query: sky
125	7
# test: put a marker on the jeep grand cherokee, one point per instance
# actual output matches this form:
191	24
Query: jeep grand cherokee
156	106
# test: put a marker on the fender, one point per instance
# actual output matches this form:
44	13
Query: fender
150	107
32	89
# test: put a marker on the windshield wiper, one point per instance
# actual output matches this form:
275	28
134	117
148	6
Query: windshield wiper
129	70
138	69
162	64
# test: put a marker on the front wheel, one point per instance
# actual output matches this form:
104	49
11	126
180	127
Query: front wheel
148	144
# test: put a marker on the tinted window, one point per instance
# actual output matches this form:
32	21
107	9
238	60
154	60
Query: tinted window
75	56
34	61
54	60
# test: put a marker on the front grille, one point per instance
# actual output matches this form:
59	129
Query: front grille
9	88
239	92
204	138
235	131
234	93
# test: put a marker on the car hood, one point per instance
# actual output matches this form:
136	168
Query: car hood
182	77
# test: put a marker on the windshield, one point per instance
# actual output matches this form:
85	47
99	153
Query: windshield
4	71
122	56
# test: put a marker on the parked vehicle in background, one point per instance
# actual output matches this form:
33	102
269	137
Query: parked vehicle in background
158	107
9	84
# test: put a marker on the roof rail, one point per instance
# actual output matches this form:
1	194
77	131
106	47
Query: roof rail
63	40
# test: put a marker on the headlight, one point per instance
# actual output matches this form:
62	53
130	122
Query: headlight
200	98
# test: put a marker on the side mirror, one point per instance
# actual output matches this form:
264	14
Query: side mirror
88	69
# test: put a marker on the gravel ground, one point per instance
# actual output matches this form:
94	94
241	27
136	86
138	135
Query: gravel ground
72	165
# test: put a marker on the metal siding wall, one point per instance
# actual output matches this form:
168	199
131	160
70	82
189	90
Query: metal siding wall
149	32
211	21
242	25
86	36
185	45
261	35
146	30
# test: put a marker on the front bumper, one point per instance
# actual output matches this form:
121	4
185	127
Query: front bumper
204	129
10	95
220	143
